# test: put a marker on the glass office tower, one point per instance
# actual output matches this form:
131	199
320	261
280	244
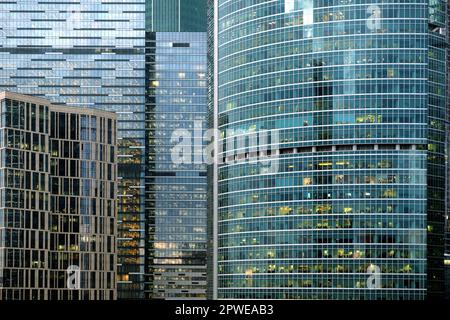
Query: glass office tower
175	191
352	97
436	134
89	53
447	238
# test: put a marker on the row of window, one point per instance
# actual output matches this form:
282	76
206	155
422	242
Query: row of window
316	222
241	11
311	255
336	236
322	61
305	46
295	29
324	89
351	207
346	192
387	266
319	105
297	180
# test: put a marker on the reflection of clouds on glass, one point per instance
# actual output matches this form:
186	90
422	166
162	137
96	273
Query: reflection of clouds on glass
374	21
74	18
306	5
289	6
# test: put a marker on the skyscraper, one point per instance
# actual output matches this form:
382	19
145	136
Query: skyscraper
331	180
58	181
436	135
447	238
175	191
89	53
93	54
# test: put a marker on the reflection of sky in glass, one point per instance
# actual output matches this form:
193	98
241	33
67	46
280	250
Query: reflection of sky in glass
300	87
179	209
289	6
308	13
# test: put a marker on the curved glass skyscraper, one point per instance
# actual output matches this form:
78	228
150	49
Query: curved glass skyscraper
350	100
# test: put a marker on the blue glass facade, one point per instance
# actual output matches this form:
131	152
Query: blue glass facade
352	91
176	192
89	53
176	15
436	169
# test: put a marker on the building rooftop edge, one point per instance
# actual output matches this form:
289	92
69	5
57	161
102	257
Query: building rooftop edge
55	107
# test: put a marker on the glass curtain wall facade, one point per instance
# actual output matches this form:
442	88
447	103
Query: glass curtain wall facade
89	53
58	183
83	205
447	238
351	92
176	15
436	165
25	194
211	173
175	191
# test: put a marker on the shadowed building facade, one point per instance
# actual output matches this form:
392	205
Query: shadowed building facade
58	211
89	53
